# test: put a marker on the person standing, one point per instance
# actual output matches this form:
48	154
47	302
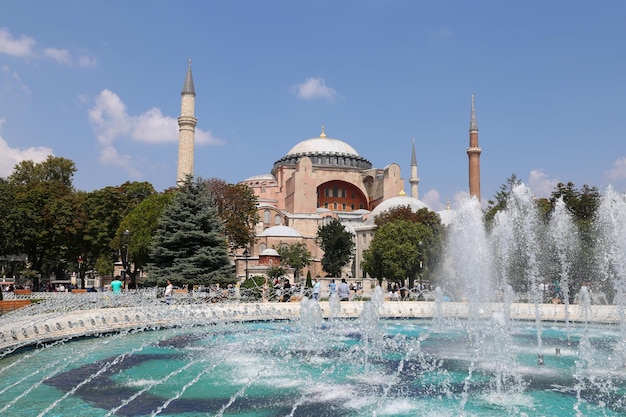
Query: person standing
266	291
332	287
343	290
286	290
116	285
317	288
169	290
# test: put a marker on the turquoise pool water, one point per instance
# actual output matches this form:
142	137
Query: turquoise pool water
342	368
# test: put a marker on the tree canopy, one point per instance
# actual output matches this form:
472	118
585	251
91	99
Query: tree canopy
237	208
338	246
395	252
296	256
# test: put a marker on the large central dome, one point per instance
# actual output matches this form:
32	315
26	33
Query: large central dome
324	152
322	144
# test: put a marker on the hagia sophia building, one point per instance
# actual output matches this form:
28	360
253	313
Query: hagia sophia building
319	179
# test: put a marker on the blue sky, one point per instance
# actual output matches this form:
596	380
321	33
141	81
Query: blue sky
99	82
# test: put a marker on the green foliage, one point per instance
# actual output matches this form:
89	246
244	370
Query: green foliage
338	246
501	198
53	170
276	271
296	256
41	217
189	244
395	253
237	208
252	287
142	221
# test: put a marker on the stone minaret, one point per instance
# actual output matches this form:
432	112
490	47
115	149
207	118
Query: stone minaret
414	178
473	153
186	129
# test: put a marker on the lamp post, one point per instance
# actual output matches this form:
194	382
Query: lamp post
246	254
124	253
419	271
81	275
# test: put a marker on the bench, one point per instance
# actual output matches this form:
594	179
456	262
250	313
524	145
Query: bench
10	305
22	292
79	290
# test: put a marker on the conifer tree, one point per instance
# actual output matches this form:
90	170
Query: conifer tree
189	246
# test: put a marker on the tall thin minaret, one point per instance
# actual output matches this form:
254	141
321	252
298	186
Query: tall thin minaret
414	180
473	153
186	129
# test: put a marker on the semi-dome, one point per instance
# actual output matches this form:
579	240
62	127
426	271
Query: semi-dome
281	231
394	202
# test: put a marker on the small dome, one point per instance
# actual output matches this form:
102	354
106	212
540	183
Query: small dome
447	216
269	252
262	177
281	231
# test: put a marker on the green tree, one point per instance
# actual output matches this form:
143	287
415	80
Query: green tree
237	207
42	214
189	245
432	242
276	271
583	204
142	221
501	197
395	252
338	246
296	256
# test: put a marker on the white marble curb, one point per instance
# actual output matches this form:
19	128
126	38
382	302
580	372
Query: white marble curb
28	330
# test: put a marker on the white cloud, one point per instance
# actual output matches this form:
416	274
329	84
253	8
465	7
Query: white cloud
22	46
109	117
85	61
9	157
12	80
432	200
314	88
541	184
110	120
61	56
618	171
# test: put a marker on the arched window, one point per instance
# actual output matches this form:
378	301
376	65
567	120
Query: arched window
278	220
262	247
266	216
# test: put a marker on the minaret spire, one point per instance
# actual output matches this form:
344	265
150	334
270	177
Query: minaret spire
473	153
473	122
186	128
414	180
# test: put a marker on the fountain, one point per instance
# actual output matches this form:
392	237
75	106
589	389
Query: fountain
496	348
